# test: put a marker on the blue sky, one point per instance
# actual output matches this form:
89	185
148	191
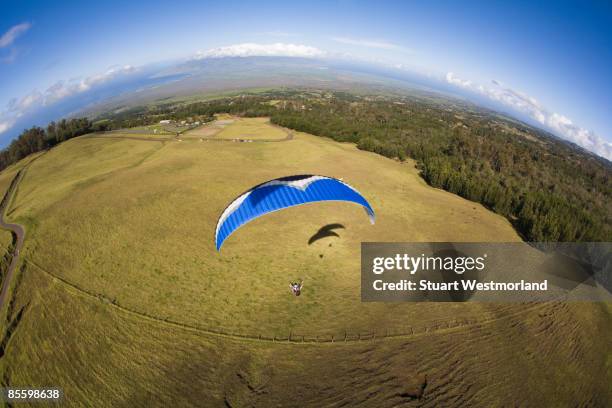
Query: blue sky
556	54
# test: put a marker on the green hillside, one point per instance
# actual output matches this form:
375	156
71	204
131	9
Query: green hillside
139	217
123	300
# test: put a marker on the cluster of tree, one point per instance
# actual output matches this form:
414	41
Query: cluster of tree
37	139
149	115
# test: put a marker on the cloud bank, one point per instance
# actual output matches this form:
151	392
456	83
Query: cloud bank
16	108
559	124
261	50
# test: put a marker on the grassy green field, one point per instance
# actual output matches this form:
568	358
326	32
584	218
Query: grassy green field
122	287
6	238
208	130
251	128
138	224
7	175
103	356
132	135
6	241
156	128
233	128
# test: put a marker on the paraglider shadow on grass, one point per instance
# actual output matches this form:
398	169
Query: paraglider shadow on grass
324	232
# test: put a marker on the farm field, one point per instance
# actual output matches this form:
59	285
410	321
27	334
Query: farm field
97	351
232	128
136	135
6	240
252	128
7	175
208	130
132	297
156	128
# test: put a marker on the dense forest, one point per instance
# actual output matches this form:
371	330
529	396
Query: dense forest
550	190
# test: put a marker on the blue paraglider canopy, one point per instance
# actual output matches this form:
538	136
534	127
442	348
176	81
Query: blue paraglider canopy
282	193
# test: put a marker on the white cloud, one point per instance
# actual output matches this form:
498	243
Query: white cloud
60	90
367	43
11	35
452	79
30	100
5	125
559	124
111	73
261	50
63	89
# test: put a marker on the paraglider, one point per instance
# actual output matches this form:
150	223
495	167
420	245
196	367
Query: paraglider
296	287
281	193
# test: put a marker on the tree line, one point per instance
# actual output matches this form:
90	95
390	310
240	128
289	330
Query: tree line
549	191
37	139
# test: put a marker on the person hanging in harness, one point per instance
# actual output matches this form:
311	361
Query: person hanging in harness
296	287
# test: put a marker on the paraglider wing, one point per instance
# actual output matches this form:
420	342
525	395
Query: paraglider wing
282	193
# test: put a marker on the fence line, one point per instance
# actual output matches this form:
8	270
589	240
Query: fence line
293	337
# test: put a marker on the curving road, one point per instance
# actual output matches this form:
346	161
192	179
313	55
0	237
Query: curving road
18	236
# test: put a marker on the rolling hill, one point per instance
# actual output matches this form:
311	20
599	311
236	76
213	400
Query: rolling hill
121	297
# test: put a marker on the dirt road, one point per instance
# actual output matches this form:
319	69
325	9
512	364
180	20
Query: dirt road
18	237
